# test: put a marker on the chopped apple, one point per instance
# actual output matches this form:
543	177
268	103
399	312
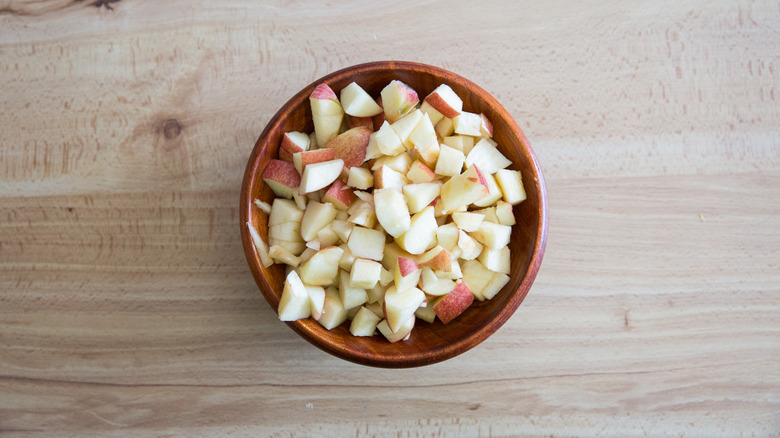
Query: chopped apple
377	295
511	184
367	243
476	276
326	112
284	225
430	154
357	102
450	161
342	229
385	277
400	163
333	311
282	255
346	260
494	286
419	196
454	303
433	285
447	236
486	128
319	175
470	248
490	214
262	249
372	149
493	235
496	259
364	274
494	192
445	101
306	254
445	127
293	142
406	273
437	258
350	296
364	323
363	214
322	268
264	206
426	313
392	252
385	177
340	195
315	218
468	221
360	178
420	173
462	190
387	141
282	178
316	300
421	233
463	143
350	146
504	213
487	157
294	303
423	135
404	126
434	115
454	272
403	333
300	200
467	124
397	100
400	305
391	211
327	236
304	158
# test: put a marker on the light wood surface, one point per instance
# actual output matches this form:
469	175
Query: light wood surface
126	304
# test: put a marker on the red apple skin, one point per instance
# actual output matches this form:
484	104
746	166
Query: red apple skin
440	262
355	122
407	266
340	195
350	145
454	303
282	172
323	91
316	156
440	105
486	124
287	148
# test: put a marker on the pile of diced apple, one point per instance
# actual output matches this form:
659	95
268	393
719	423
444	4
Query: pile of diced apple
390	211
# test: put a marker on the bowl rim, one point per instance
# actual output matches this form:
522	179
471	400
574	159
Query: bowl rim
253	173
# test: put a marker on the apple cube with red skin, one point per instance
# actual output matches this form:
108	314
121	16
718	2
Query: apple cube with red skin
320	175
282	178
454	303
293	142
437	258
464	189
351	145
327	113
445	101
301	159
397	100
419	172
340	195
406	273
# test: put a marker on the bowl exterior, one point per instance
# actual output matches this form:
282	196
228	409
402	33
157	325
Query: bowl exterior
429	343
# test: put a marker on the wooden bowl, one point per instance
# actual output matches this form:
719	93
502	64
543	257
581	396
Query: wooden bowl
429	343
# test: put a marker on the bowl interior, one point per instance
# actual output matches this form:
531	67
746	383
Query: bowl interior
429	343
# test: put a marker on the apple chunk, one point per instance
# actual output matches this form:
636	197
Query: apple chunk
326	113
487	157
366	243
315	218
294	303
397	100
360	178
454	303
322	268
282	178
333	311
357	102
421	233
351	145
406	273
319	175
511	184
391	211
464	189
365	273
400	305
293	142
364	323
445	101
340	195
403	333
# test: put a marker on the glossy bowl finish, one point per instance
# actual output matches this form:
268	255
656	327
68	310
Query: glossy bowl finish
429	343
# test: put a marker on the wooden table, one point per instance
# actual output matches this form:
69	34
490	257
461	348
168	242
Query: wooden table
126	304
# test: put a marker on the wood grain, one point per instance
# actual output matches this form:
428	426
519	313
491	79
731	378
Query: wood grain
126	306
